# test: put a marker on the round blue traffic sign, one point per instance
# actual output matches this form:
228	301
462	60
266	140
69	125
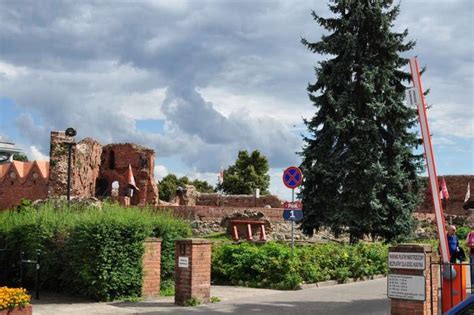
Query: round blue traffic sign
292	177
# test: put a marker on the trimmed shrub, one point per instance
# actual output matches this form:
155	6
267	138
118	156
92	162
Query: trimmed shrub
94	253
271	265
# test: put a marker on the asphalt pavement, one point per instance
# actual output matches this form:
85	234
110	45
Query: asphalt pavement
367	297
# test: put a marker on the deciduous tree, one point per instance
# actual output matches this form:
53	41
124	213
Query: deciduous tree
249	172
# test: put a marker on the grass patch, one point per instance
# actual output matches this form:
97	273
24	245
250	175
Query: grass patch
167	288
218	236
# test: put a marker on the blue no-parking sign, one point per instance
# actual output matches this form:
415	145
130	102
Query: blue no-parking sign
292	177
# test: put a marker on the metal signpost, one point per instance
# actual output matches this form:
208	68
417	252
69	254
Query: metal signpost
292	178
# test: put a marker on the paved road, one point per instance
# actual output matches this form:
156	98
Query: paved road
367	297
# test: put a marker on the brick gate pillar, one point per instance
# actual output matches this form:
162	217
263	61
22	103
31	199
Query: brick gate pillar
192	270
412	280
151	268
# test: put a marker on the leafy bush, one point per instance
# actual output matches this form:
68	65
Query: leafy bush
271	265
95	253
462	233
266	266
193	301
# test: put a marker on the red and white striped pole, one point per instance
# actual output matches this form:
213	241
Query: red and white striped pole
430	161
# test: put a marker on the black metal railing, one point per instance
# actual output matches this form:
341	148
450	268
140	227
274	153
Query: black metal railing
37	265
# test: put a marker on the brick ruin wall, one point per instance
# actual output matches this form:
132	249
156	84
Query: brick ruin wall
457	188
96	167
93	170
115	162
216	213
218	200
86	163
58	163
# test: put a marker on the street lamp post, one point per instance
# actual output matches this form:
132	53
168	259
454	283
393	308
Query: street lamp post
71	132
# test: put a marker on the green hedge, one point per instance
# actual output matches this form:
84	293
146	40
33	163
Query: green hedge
271	265
93	253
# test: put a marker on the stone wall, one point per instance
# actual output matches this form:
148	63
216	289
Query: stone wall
58	161
216	214
205	220
85	165
238	201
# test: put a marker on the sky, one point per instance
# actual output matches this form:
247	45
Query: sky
197	81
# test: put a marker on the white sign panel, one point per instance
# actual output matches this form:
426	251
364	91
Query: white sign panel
183	262
406	287
402	260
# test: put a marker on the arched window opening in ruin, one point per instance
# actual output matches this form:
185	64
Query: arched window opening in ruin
115	189
112	160
101	187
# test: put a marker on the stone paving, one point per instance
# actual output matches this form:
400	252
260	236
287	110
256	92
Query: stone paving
368	297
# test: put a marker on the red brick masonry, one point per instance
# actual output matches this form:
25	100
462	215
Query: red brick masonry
27	310
193	281
411	307
151	268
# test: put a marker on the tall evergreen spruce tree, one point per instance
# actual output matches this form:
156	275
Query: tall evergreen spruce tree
360	170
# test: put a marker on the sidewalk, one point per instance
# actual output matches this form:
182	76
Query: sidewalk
54	303
368	297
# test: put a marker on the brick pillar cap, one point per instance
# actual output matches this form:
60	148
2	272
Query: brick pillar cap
153	239
194	241
415	247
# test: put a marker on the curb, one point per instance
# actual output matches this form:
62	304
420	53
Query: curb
329	283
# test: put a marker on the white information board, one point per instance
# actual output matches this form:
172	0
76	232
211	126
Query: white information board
183	262
402	260
406	287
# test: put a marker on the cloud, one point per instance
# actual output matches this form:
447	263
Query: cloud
36	133
229	103
160	171
222	76
34	154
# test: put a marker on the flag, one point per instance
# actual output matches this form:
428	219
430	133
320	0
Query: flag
444	190
131	178
468	192
221	176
